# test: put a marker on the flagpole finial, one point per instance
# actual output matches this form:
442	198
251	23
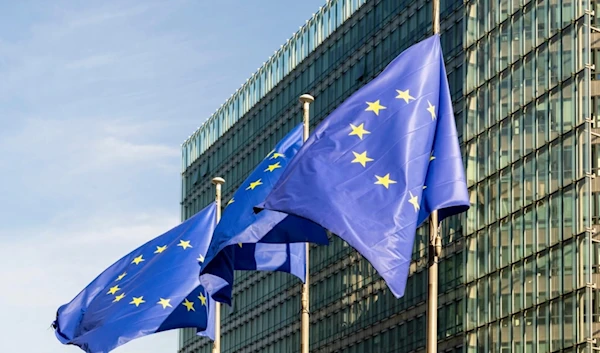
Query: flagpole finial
307	98
218	181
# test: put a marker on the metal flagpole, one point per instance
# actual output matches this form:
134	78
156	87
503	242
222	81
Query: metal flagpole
436	16
217	342
435	245
435	248
306	99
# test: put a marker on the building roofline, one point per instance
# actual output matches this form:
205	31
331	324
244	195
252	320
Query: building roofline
284	60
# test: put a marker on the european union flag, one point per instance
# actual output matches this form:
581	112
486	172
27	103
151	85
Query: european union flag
374	169
244	240
152	289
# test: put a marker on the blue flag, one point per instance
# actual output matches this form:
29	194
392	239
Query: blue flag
152	289
374	169
266	241
218	275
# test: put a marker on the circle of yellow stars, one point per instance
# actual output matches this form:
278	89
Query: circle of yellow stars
163	302
360	131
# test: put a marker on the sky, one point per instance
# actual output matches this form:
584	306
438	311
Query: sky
95	101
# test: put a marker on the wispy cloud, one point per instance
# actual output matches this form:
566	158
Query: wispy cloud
91	244
92	102
87	57
50	265
95	98
84	150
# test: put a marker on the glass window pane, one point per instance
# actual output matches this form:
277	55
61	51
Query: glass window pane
556	272
517	287
517	326
529	281
517	40
505	292
529	78
505	241
505	335
542	173
555	326
529	179
517	137
482	252
542	277
495	291
505	143
494	253
529	326
517	87
529	129
529	233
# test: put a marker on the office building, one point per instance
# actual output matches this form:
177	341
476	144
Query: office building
519	269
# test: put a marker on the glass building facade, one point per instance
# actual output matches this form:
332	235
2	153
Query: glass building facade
518	270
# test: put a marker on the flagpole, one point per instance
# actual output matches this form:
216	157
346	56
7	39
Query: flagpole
435	245
305	99
218	181
436	16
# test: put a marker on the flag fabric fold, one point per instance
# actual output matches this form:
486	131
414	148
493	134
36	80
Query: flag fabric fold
152	289
268	241
377	166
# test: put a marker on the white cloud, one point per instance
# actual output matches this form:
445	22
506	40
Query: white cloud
95	98
73	154
89	245
47	266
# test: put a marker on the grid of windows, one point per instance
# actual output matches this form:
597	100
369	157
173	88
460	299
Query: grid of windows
347	296
514	270
527	142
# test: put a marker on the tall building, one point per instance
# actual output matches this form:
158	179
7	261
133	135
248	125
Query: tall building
519	270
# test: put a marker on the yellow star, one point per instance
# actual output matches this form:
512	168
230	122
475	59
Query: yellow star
230	201
358	131
414	201
184	244
121	276
202	299
138	259
160	249
113	290
385	180
361	158
119	297
424	187
277	155
137	301
432	157
254	184
374	107
200	258
165	303
431	110
240	245
404	95
272	167
189	305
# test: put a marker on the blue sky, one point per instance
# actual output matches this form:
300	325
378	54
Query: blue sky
95	100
